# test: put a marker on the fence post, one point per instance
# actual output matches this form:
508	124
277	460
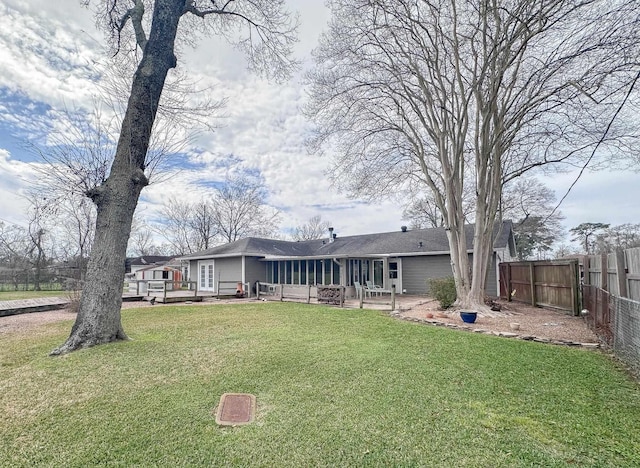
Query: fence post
575	295
532	278
342	294
258	290
586	278
621	273
164	292
508	280
281	292
393	297
361	296
604	272
308	293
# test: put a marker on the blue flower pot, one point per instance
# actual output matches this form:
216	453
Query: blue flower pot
468	317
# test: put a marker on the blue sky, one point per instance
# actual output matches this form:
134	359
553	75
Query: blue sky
49	54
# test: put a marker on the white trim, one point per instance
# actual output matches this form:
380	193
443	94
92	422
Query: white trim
209	275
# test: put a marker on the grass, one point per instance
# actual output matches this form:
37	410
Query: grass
334	388
13	295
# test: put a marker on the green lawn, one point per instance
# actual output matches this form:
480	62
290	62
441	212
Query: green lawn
334	388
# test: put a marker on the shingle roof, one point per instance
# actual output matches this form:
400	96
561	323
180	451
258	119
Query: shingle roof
148	260
411	242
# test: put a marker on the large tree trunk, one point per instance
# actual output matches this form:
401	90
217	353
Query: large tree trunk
98	319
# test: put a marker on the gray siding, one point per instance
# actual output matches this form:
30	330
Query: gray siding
228	269
417	270
254	270
193	270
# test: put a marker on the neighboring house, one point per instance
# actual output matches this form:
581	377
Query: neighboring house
134	264
146	269
405	258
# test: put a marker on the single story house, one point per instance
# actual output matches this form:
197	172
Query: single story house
405	258
151	272
133	264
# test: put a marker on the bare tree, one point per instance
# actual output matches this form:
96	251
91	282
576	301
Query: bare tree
315	228
468	92
423	212
268	44
238	209
188	227
141	240
621	236
564	250
525	201
37	233
14	247
537	225
77	216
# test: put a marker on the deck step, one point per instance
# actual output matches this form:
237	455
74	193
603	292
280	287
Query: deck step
25	306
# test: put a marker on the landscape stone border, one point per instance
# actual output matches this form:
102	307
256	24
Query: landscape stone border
438	323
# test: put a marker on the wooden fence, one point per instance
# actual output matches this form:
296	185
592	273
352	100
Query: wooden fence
284	292
611	295
379	295
617	273
553	284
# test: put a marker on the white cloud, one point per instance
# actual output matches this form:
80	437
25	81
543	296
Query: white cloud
45	57
49	51
15	178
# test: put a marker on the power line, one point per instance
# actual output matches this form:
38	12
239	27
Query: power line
604	135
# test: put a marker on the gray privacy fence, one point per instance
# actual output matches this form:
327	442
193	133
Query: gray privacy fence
617	272
611	294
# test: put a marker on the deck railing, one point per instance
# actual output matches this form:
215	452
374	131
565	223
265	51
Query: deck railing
161	286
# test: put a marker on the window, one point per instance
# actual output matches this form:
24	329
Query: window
303	272
364	271
378	272
296	272
312	276
287	269
203	272
354	272
210	267
336	272
318	271
393	270
327	272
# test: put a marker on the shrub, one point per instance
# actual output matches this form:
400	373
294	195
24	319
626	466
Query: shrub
73	289
443	290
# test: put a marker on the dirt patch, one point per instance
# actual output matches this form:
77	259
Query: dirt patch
25	322
533	321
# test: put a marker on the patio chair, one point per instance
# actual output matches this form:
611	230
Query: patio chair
359	289
374	288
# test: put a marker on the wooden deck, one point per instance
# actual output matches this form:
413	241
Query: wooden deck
24	306
171	297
